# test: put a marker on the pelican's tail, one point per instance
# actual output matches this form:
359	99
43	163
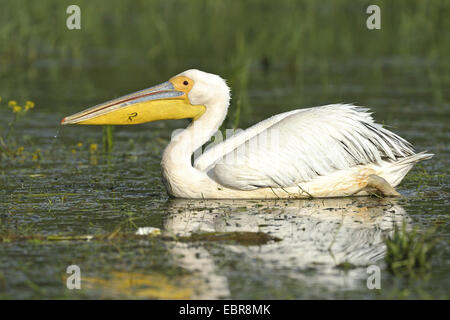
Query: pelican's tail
395	171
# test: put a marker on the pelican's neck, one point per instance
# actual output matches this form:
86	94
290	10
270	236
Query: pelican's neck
177	155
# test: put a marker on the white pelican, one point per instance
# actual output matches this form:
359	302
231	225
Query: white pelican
328	151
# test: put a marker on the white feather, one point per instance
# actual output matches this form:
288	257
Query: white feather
300	145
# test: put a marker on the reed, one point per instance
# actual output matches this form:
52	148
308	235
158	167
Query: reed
174	34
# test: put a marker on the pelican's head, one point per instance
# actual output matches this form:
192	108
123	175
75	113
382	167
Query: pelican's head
185	95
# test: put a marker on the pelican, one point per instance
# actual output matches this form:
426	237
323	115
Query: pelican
333	150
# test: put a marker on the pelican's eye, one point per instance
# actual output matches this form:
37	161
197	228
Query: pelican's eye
185	82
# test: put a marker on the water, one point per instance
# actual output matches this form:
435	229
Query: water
74	190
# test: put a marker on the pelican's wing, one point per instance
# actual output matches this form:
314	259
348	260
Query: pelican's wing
300	145
215	151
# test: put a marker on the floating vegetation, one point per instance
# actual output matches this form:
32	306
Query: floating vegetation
409	252
242	237
422	178
9	236
345	266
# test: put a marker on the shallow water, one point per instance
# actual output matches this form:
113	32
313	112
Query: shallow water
72	191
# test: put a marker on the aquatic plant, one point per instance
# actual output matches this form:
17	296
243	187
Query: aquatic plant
421	178
107	138
409	252
8	144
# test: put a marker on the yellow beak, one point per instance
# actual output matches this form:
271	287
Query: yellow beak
161	102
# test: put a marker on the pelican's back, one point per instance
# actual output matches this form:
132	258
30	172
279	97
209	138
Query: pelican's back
301	145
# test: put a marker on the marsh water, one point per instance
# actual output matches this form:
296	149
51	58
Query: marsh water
326	245
68	199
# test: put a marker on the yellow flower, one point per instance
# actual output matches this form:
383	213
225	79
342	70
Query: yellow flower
79	144
17	109
93	147
29	105
36	155
20	150
12	103
74	151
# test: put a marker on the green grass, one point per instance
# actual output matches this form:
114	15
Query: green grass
409	252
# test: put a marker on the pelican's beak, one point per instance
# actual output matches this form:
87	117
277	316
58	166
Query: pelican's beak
168	100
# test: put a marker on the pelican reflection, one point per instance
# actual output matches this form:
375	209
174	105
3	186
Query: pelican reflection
317	237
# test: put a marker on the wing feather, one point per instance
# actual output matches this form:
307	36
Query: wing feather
300	145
